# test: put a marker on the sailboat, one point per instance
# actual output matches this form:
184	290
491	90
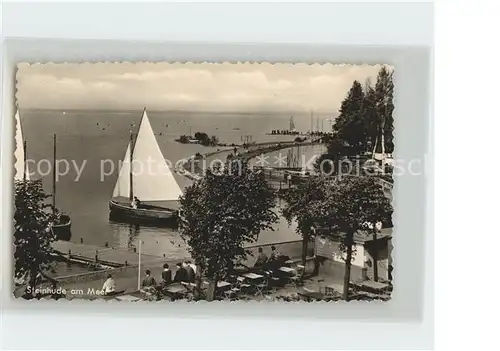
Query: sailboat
145	175
292	125
21	170
62	226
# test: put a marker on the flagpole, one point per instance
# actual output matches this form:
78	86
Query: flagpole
131	173
54	178
139	272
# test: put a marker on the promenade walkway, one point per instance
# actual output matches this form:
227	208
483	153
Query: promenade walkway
251	151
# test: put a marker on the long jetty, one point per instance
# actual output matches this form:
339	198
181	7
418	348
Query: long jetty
105	256
253	150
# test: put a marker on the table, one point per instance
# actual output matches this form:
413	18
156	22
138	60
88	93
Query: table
175	289
375	285
333	288
128	298
223	284
220	284
252	276
311	295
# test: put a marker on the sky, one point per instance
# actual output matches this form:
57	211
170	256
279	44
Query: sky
188	86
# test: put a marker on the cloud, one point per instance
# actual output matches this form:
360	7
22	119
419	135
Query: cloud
188	86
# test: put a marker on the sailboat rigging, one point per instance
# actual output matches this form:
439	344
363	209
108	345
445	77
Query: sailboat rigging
62	225
292	125
145	175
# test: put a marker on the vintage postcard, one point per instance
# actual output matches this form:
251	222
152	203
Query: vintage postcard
184	181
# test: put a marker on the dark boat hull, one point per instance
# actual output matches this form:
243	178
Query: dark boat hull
62	231
119	211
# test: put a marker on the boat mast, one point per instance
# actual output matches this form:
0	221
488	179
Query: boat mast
24	164
131	195
54	179
311	115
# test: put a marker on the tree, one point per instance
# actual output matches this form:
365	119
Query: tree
350	132
349	125
370	119
214	140
32	232
384	106
330	162
301	203
350	205
365	118
222	212
200	136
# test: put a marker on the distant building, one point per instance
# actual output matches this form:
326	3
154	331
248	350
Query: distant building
365	248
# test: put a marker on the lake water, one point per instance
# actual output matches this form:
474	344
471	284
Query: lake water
95	136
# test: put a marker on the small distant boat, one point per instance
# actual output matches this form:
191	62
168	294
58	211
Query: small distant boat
150	185
236	129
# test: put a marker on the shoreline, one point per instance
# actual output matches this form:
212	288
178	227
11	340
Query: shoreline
248	155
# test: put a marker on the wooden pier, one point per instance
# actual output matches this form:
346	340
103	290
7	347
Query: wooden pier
107	256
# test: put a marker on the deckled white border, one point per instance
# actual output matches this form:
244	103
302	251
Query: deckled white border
263	325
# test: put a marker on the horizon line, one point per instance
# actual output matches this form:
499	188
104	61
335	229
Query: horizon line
188	111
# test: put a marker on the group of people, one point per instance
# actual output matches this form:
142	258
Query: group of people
274	261
185	273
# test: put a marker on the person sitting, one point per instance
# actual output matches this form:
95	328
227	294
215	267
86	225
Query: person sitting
189	275
109	287
192	265
137	202
274	254
180	274
166	275
273	263
149	281
261	259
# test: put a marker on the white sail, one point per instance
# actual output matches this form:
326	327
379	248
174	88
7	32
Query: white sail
20	166
122	186
152	178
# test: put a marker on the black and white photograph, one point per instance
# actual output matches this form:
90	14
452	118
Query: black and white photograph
142	181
